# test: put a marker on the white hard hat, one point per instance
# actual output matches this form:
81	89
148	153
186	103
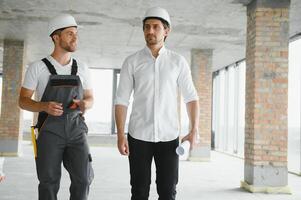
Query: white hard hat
158	13
61	21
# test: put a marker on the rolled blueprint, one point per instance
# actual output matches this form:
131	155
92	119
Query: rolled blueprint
183	148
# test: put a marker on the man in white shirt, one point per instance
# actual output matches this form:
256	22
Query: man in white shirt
154	74
64	93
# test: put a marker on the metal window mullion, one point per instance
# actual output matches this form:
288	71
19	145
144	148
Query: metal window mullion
217	113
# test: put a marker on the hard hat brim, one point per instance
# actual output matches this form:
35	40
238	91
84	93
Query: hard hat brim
159	18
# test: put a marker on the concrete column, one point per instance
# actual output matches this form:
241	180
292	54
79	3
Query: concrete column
201	63
266	96
11	118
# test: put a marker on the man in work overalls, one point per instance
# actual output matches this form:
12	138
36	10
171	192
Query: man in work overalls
64	93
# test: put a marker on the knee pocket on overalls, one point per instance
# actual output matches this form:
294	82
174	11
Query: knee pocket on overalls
86	176
90	169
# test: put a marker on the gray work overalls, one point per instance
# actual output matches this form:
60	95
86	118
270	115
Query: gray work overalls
63	139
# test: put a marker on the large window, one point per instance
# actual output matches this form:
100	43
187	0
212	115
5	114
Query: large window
228	119
99	119
228	109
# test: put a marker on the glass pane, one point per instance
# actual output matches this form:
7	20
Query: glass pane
27	121
221	129
100	116
235	109
231	110
226	111
214	110
294	110
241	108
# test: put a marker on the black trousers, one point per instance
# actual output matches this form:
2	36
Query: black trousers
167	167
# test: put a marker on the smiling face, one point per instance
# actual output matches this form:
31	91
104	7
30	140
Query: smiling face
67	39
154	31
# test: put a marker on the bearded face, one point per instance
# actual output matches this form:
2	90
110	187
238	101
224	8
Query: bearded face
154	32
67	39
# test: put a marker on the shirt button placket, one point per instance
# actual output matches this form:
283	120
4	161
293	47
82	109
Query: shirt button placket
156	99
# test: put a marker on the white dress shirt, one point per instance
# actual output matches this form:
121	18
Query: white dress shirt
155	83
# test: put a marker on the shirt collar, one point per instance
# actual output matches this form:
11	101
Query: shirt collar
162	50
149	52
56	63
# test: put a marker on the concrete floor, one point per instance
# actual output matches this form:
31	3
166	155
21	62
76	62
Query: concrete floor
218	179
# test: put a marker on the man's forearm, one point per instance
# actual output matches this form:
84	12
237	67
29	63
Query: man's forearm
88	99
193	114
120	118
30	105
88	102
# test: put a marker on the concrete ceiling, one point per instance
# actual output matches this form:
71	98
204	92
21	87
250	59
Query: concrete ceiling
112	29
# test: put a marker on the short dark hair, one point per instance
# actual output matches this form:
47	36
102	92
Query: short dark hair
164	22
56	32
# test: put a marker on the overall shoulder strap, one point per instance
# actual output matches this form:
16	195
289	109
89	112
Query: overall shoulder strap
49	66
74	67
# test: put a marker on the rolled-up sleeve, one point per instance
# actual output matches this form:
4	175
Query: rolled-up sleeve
185	83
125	86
